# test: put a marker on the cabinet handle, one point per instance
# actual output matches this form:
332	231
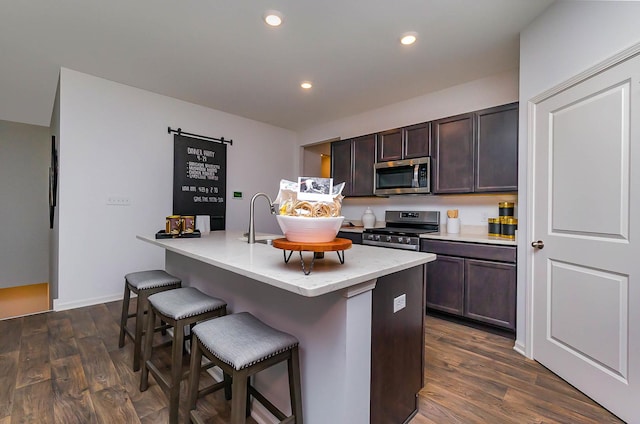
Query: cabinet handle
538	244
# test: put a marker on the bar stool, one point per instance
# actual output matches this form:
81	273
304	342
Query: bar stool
144	284
242	345
179	308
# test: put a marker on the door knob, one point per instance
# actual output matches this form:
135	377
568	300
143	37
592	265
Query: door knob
538	244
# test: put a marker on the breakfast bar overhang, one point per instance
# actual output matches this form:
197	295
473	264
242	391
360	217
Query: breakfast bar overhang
336	312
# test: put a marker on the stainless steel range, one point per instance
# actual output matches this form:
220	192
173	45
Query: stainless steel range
403	229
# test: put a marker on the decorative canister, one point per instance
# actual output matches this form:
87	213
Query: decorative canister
174	225
188	224
508	228
368	219
494	227
505	208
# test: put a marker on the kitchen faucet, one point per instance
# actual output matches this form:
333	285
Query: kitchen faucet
251	236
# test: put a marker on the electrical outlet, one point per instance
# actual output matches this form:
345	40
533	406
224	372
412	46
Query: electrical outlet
118	201
399	303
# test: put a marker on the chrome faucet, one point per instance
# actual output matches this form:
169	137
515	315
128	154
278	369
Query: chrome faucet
251	236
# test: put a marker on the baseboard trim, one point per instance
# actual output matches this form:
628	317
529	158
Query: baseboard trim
59	305
262	414
520	348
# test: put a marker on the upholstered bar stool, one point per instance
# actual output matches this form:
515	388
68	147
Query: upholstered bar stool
242	345
144	284
179	308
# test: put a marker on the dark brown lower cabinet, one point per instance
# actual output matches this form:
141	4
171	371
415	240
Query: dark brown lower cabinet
490	292
397	346
356	238
445	291
474	281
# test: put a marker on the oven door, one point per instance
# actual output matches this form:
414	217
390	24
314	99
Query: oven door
402	177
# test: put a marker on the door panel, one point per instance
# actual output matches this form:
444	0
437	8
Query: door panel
586	280
581	159
599	302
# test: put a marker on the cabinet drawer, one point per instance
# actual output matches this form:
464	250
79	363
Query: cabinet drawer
469	250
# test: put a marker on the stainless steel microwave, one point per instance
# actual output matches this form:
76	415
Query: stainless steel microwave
411	176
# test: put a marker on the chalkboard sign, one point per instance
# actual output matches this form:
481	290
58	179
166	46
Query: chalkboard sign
200	179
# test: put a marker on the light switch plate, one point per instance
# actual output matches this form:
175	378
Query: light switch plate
399	303
118	201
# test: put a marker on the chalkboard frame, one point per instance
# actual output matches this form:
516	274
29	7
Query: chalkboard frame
199	179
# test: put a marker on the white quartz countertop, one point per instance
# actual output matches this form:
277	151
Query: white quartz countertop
469	234
263	262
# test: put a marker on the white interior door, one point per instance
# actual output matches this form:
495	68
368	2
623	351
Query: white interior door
586	211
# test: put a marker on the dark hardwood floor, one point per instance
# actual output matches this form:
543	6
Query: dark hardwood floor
66	367
472	376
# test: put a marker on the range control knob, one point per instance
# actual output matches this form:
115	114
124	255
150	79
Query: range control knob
388	238
376	237
400	239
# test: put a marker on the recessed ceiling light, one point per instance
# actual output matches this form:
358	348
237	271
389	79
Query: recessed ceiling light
306	85
273	18
408	38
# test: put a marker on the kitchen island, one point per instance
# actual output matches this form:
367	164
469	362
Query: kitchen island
351	319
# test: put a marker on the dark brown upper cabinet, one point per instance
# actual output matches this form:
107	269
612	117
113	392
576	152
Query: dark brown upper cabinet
352	161
452	152
496	147
404	143
476	152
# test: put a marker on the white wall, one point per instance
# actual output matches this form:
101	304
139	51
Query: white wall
483	93
24	204
114	142
568	38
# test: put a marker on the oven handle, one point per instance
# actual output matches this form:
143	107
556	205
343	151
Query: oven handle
413	247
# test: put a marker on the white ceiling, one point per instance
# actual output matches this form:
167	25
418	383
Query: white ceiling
220	54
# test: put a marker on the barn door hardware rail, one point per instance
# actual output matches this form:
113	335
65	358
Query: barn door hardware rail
202	137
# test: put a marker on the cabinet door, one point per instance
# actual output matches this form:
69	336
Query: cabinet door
390	145
341	165
453	154
490	292
497	149
364	157
445	284
417	140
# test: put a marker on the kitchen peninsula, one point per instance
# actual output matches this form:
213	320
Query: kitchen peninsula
359	323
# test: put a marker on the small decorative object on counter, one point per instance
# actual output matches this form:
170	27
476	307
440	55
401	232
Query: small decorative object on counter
453	222
505	208
188	224
203	223
494	227
174	225
368	219
508	228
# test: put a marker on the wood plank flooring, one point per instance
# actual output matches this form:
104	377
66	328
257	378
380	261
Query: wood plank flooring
472	376
66	367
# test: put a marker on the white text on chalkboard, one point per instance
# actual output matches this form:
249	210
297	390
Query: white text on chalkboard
207	199
202	171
